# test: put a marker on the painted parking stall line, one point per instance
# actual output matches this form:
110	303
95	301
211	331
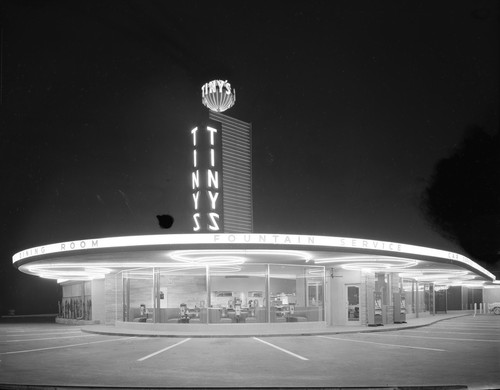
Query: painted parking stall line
383	344
468	326
281	349
162	350
66	346
438	338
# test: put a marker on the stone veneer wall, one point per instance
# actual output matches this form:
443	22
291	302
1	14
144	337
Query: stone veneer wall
113	288
465	298
394	284
98	301
367	303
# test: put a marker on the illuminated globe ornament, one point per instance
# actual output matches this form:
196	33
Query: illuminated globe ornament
217	95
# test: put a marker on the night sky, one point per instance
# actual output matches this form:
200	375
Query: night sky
352	104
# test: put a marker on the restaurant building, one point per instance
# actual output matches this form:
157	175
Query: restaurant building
224	273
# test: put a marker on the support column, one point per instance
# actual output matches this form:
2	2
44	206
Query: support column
367	314
156	295
268	301
417	300
393	287
209	293
113	288
433	297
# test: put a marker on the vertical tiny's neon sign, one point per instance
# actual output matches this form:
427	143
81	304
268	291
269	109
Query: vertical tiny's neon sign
205	180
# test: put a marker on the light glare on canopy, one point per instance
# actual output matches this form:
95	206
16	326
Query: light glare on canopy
442	276
369	263
231	257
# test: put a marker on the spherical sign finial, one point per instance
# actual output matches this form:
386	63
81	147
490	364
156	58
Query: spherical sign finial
218	96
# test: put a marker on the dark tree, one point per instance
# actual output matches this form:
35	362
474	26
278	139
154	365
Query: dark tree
462	201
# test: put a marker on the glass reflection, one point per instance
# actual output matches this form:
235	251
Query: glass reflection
181	295
254	293
138	302
237	294
296	293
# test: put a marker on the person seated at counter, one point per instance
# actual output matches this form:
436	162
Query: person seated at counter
143	314
290	313
251	308
237	312
183	314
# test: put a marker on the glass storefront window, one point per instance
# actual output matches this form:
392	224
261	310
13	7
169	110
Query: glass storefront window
426	298
181	295
76	301
237	294
440	298
296	293
382	287
138	302
248	293
352	303
408	289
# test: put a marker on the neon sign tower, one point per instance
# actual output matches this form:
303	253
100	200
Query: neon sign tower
221	177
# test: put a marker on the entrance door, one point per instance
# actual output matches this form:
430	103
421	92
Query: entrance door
352	292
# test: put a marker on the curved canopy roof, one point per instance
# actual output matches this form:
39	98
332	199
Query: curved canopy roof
93	258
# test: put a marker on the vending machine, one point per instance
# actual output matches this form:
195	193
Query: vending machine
378	321
399	308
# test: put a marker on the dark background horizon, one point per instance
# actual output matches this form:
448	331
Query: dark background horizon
353	105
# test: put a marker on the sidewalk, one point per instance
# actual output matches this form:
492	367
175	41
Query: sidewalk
23	318
256	330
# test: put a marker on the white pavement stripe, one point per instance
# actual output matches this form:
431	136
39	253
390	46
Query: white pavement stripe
65	346
47	338
448	333
281	349
487	320
437	338
464	326
162	350
387	345
474	322
470	329
478	323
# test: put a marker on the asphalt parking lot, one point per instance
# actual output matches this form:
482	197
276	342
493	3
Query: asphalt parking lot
458	351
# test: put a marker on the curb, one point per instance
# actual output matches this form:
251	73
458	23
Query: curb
191	335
